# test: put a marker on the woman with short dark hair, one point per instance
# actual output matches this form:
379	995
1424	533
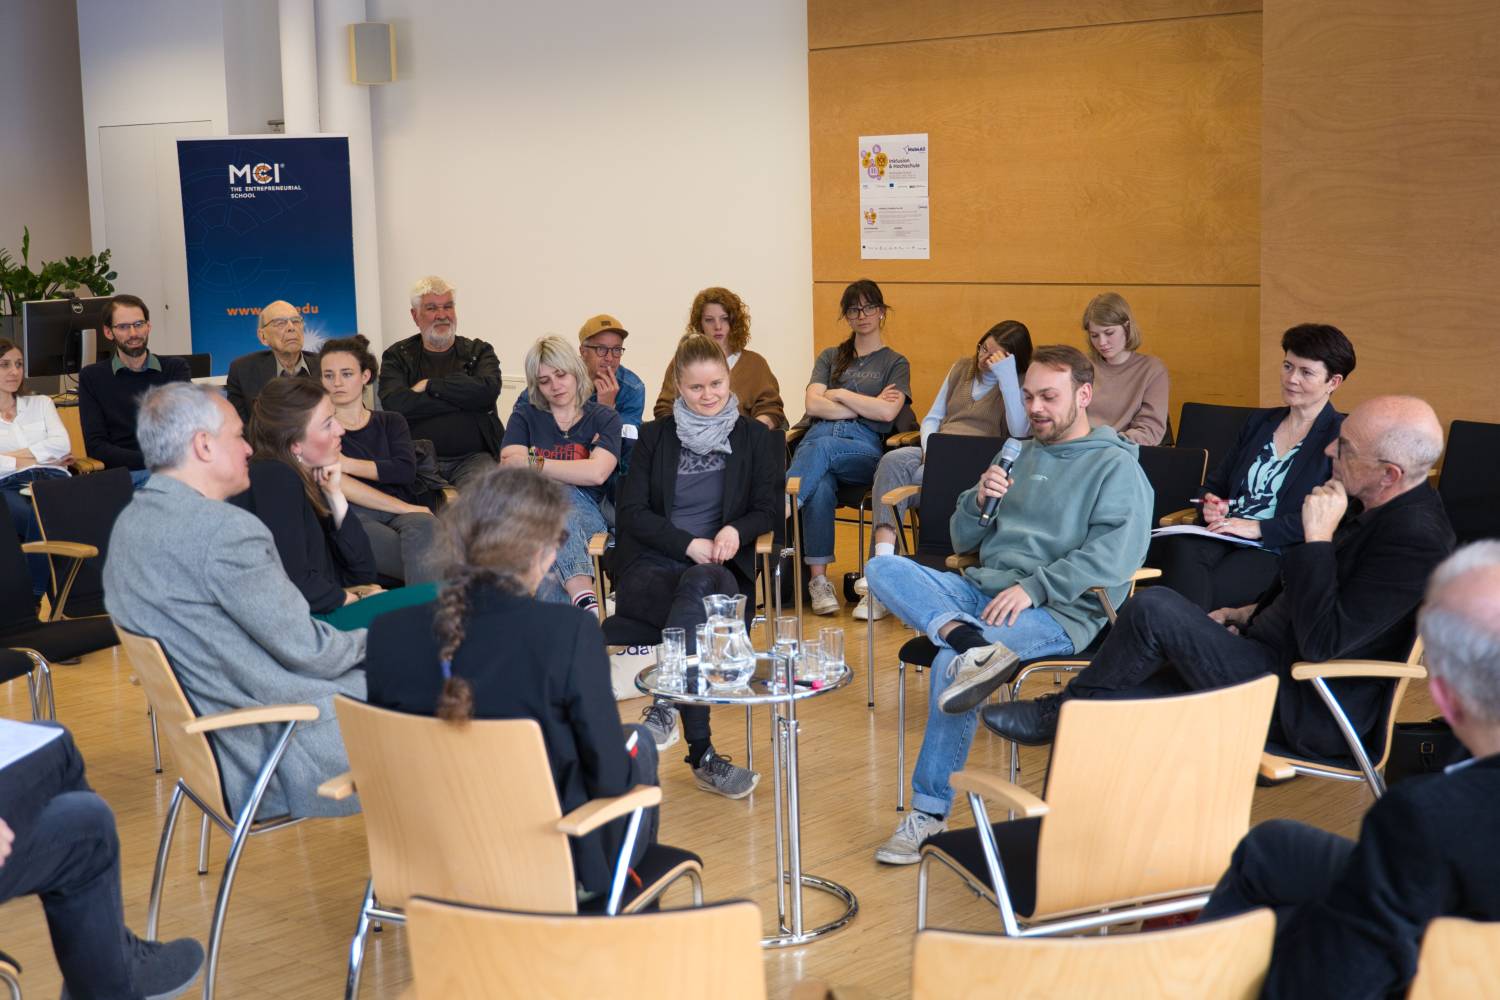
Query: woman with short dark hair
33	445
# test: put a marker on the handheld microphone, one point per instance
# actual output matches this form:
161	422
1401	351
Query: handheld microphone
1008	455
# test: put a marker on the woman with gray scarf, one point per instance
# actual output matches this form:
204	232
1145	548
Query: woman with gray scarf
704	483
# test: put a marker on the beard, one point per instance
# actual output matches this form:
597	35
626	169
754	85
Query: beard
131	351
1060	427
432	334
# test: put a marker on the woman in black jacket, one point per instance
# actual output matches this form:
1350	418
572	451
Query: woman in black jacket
487	649
1257	490
703	484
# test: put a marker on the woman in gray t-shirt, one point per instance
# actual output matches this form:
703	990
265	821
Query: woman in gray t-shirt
856	391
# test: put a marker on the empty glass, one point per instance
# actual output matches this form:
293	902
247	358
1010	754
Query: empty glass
810	662
672	658
788	633
832	641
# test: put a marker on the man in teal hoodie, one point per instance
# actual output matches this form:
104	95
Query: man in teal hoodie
1076	514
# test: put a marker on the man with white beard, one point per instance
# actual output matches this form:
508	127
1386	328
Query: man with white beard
445	385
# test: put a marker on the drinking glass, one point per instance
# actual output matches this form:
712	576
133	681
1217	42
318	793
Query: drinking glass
832	641
788	632
672	658
810	662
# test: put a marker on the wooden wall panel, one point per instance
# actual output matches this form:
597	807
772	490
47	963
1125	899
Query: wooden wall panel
1128	153
1206	334
835	23
1381	168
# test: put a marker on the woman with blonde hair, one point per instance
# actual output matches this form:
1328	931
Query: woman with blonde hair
722	316
571	440
1130	388
486	648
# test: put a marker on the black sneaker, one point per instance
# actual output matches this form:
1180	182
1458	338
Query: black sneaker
161	970
718	775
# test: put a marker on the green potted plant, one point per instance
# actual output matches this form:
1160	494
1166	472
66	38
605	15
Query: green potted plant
19	283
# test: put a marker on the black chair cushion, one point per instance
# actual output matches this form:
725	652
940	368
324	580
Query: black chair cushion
854	495
622	631
654	865
13	665
64	640
1017	840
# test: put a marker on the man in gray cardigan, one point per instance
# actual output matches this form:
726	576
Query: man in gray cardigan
202	577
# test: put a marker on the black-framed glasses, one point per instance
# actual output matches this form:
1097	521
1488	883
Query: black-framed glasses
855	312
606	352
135	327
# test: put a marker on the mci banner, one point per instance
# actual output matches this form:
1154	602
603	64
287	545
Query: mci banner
266	218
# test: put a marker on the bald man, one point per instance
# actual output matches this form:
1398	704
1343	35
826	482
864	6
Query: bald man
1372	535
279	327
1351	914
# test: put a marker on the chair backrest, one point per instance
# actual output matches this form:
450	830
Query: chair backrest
199	365
1457	960
191	753
82	509
18	604
1175	475
72	422
1225	959
1213	427
954	462
461	812
1470	483
1380	751
1148	798
460	952
778	453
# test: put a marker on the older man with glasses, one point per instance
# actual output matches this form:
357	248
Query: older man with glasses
280	328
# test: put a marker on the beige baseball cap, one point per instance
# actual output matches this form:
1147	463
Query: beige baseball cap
602	323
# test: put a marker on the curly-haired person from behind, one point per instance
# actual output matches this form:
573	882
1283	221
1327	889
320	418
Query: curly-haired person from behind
486	648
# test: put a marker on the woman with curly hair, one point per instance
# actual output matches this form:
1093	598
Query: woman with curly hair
722	315
488	649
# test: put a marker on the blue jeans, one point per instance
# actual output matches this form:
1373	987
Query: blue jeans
834	453
585	520
927	599
23	518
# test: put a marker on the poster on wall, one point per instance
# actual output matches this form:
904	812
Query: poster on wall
266	218
893	206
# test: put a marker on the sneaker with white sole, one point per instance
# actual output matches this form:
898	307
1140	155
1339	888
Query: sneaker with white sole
862	610
718	775
821	596
980	670
660	720
905	845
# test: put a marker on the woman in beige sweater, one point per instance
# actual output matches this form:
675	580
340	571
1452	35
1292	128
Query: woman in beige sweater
722	315
1130	388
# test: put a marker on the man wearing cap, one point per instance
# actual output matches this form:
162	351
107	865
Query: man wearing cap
445	386
601	341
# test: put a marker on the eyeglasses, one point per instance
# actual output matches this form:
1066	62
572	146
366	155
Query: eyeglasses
605	352
135	327
855	312
433	308
283	323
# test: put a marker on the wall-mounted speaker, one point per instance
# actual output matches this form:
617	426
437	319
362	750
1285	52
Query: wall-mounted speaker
372	53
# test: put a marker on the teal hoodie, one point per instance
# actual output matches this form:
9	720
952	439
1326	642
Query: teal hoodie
1078	515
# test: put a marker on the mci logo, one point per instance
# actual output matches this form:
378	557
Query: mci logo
260	173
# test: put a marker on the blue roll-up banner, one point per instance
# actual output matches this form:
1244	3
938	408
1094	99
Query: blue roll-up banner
266	218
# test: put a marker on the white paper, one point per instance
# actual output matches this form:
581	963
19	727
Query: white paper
1202	532
17	739
893	190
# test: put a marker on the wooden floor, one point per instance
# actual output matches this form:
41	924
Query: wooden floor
298	889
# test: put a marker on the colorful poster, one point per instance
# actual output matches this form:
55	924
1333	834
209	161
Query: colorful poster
266	218
893	205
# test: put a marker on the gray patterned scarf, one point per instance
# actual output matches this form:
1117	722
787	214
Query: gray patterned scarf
706	435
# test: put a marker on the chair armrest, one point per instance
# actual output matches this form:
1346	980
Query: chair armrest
83	466
988	786
795	434
337	788
1185	516
765	544
892	497
1144	573
1276	768
964	561
260	715
450	494
596	812
903	439
68	550
1334	669
598	543
793	485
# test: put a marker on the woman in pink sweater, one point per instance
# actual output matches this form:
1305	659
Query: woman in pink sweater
1130	388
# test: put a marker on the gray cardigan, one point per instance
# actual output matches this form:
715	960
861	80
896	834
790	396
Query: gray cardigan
203	578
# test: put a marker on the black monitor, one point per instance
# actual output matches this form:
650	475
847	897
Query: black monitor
54	333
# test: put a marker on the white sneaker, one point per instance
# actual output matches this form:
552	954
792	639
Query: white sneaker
820	594
905	845
980	671
861	586
867	604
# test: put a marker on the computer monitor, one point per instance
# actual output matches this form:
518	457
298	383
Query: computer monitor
55	334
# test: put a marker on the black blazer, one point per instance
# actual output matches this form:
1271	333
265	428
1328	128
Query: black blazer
1353	598
1309	469
553	669
249	373
1425	850
320	560
755	482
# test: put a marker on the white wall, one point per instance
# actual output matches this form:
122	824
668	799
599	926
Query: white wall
556	161
43	183
252	65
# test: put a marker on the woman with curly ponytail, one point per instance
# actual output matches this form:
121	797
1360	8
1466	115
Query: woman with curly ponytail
486	648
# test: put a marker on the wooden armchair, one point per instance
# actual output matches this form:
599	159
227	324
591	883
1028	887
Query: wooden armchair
1457	960
1119	838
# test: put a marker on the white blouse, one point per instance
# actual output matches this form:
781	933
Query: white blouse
38	429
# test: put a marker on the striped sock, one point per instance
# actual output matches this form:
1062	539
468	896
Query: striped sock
587	600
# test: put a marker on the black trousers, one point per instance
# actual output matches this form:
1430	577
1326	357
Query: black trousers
668	593
1212	574
1279	864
